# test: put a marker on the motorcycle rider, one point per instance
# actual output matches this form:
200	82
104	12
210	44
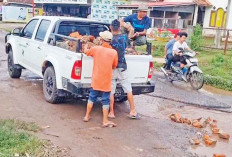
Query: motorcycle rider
168	50
178	49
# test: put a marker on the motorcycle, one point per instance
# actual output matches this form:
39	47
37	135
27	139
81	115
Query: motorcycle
193	73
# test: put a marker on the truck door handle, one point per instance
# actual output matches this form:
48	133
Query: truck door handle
27	44
39	47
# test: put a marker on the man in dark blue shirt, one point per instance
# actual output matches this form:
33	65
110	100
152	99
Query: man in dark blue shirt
140	23
120	74
169	50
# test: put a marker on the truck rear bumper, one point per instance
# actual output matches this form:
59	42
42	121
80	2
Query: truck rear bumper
81	90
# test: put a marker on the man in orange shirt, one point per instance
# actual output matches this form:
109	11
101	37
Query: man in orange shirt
105	60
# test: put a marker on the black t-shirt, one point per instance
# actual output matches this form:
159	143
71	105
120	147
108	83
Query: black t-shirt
119	43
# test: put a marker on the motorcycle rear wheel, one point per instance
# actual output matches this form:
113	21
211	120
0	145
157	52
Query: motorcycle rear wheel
196	80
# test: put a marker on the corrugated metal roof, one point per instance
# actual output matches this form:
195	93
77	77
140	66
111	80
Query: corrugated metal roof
203	2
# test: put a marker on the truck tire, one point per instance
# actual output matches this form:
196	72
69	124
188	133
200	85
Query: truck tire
49	87
13	70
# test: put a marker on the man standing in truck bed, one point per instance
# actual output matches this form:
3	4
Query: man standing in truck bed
141	23
105	60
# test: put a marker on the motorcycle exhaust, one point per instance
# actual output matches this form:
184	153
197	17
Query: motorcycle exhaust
164	71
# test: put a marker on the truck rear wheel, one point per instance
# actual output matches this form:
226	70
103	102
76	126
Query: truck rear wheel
49	87
13	70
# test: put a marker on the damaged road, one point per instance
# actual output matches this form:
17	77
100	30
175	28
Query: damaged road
184	94
152	136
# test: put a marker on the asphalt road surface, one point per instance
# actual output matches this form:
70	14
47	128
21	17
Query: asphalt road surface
154	135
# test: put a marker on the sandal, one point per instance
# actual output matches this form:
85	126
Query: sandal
137	117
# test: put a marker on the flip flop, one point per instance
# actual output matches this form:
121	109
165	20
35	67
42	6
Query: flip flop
86	120
110	116
110	125
137	117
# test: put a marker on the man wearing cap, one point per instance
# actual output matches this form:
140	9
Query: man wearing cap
105	60
140	22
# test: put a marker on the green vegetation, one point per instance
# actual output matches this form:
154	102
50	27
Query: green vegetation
217	68
15	137
157	48
208	41
158	65
196	38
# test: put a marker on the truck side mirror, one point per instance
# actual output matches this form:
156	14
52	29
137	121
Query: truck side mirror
17	31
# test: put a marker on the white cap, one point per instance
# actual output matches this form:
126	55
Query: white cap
106	35
143	7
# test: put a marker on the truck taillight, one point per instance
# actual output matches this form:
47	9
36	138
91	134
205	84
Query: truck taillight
151	69
76	71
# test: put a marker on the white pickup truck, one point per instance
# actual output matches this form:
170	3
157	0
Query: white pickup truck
64	72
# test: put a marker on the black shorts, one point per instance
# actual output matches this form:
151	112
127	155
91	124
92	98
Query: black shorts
178	58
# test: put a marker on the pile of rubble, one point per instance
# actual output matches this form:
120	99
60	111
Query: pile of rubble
91	41
203	123
72	45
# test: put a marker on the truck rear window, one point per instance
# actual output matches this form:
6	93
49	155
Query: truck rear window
83	29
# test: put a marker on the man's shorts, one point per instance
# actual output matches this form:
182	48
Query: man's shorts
140	40
105	97
120	75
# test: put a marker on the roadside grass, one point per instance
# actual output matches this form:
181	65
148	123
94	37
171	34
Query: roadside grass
16	138
157	48
215	63
217	68
157	65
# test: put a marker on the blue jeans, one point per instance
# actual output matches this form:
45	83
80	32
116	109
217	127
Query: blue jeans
169	60
105	98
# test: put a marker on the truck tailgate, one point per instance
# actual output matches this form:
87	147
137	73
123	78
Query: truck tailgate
137	65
